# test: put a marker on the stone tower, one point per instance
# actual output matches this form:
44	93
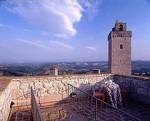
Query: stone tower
119	42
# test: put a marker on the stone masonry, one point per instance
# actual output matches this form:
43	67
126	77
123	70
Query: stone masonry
119	45
137	87
5	100
52	85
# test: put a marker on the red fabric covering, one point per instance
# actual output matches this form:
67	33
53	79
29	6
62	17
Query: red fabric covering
124	94
99	95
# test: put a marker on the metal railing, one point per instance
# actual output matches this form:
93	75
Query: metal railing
84	104
95	109
26	108
20	101
36	112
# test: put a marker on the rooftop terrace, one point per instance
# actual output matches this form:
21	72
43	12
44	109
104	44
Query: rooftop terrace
54	103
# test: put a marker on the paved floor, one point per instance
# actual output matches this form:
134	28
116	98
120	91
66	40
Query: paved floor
77	111
138	110
61	112
21	116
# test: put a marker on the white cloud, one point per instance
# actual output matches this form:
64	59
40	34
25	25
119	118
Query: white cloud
27	30
91	48
2	25
41	44
61	35
54	16
61	44
33	43
91	7
44	33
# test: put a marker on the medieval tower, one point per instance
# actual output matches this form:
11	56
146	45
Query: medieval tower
119	44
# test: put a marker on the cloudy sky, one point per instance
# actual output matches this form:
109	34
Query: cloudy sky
69	30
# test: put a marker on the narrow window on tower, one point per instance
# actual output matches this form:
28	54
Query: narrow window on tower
121	46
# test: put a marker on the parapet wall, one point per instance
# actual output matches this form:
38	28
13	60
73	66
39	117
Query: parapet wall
5	100
49	86
138	87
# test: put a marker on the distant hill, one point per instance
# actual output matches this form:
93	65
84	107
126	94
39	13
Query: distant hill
22	69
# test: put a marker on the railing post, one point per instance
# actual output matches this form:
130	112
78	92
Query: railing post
95	109
36	112
62	96
68	89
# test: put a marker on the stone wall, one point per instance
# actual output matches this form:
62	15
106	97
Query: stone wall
5	101
53	86
138	87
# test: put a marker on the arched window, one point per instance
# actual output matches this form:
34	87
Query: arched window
121	27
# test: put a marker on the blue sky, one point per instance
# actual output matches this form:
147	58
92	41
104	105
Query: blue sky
69	30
